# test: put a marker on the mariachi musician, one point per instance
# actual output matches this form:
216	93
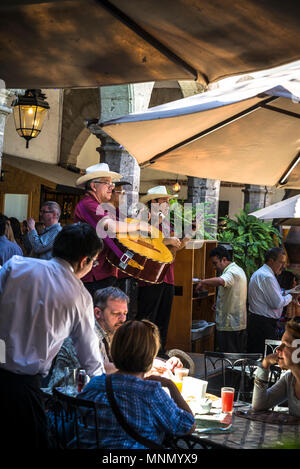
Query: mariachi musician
155	300
93	209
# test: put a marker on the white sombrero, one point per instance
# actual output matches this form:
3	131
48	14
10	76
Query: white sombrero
100	170
156	193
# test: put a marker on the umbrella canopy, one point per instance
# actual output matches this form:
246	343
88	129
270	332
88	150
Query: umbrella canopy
246	130
288	211
78	43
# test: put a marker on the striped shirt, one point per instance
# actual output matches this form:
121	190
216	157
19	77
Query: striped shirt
42	244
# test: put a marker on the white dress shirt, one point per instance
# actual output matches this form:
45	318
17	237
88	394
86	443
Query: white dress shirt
264	294
41	303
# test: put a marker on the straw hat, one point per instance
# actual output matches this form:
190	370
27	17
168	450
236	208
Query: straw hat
100	170
156	193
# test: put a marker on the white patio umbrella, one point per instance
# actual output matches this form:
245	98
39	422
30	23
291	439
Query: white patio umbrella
244	130
288	211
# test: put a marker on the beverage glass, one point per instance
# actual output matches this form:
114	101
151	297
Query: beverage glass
70	380
227	395
180	373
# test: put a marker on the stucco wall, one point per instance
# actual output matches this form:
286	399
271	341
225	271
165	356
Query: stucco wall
88	154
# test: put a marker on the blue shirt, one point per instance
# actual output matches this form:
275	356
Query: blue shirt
42	244
145	406
8	249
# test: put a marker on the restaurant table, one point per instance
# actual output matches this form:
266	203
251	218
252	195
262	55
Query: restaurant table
252	434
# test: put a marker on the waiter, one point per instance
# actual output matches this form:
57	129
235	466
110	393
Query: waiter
42	302
266	301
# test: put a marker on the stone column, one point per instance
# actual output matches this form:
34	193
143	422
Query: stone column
5	110
201	190
257	196
117	101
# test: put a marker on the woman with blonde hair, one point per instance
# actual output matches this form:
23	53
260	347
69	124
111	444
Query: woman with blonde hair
287	357
142	402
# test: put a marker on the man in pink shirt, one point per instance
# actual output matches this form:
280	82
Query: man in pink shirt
155	300
94	208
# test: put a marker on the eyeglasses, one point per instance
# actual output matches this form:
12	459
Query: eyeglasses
95	263
108	184
119	192
46	211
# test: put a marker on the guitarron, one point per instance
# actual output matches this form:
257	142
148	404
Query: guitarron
144	258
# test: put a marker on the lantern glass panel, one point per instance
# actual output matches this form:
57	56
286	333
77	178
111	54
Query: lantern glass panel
29	120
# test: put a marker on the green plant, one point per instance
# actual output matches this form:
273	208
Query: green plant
185	216
250	239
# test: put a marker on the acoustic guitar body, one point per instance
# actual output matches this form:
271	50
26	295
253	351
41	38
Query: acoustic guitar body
144	258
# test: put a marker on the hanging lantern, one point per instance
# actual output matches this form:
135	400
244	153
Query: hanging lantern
176	187
30	111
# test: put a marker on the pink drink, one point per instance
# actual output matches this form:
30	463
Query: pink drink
227	395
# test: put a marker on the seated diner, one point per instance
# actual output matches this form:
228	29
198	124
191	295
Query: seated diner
287	357
146	406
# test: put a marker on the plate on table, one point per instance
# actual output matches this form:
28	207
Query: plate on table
213	423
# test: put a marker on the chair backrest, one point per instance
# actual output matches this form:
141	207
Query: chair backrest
70	416
186	360
192	442
271	345
275	370
231	369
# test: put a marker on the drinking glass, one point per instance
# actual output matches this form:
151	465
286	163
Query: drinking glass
70	381
180	373
227	395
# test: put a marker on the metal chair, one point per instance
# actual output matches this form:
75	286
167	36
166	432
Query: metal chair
271	345
70	414
191	442
184	357
236	370
275	370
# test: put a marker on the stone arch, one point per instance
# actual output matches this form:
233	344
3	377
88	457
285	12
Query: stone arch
79	105
167	91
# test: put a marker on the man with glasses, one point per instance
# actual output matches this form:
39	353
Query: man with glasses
266	300
42	244
43	303
110	310
95	208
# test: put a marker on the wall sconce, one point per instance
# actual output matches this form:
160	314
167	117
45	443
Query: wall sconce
30	111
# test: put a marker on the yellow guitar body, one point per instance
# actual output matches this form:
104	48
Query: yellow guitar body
150	247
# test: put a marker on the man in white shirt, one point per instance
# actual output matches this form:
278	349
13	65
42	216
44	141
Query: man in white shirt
41	303
231	310
266	301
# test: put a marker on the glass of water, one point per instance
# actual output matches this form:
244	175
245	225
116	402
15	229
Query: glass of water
70	381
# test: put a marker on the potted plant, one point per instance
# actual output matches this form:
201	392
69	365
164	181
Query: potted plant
250	239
